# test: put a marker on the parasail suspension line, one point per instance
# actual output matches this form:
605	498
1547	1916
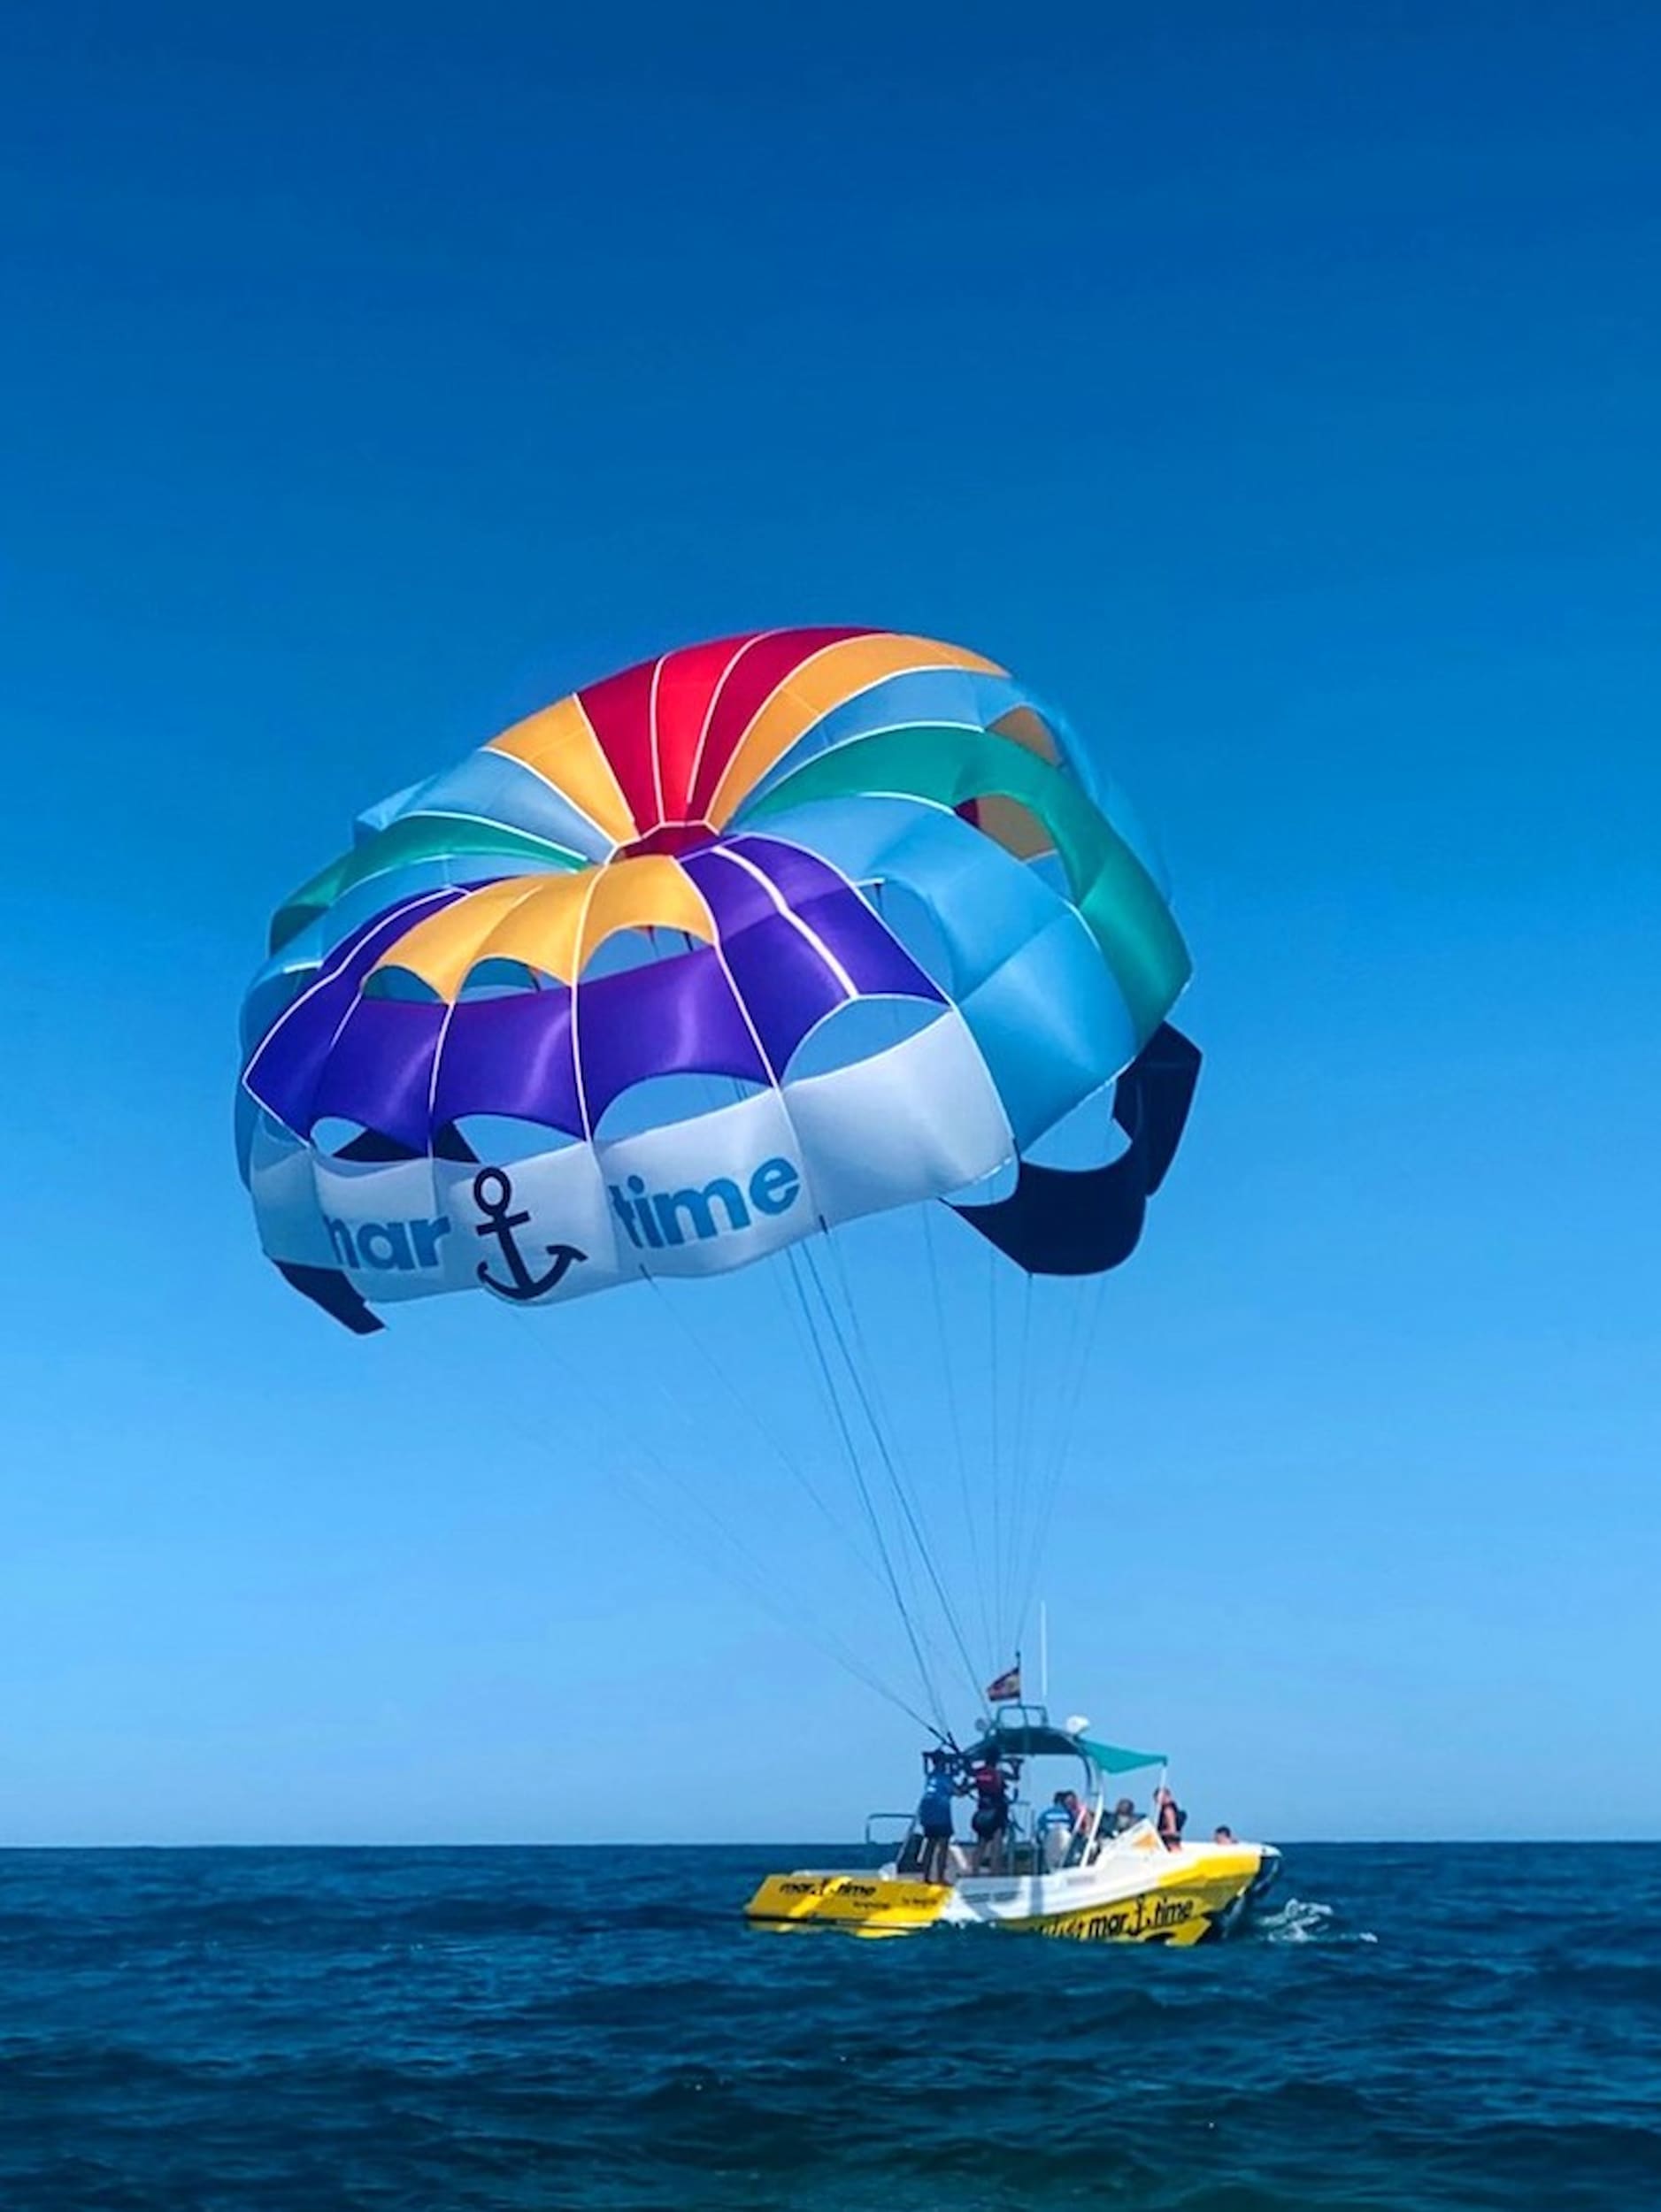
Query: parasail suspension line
872	1516
909	1511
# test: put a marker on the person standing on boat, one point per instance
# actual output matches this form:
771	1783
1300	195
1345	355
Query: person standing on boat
990	1819
1170	1818
1083	1827
933	1817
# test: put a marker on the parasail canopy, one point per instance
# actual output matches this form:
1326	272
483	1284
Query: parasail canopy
728	949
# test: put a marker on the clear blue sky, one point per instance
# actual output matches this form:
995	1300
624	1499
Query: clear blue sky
1277	390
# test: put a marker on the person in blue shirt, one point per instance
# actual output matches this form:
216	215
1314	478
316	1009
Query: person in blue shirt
934	1816
1063	1831
1055	1829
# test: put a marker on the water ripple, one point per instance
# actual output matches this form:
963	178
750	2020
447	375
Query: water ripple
448	2032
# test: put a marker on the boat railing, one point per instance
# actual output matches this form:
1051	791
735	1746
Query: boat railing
898	1825
1008	1716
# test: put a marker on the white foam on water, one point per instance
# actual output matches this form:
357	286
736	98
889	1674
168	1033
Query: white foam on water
1301	1920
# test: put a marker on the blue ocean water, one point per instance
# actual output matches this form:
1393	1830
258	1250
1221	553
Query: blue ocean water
230	2030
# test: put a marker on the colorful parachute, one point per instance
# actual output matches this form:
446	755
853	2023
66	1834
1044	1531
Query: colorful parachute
738	945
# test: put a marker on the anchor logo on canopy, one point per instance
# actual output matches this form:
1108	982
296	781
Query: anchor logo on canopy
493	1194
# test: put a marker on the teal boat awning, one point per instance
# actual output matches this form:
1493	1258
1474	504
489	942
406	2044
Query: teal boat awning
1113	1758
1031	1739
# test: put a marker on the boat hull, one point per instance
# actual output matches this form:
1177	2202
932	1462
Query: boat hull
1196	1897
863	1904
1141	1894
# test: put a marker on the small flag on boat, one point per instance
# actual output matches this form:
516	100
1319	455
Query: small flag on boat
1007	1688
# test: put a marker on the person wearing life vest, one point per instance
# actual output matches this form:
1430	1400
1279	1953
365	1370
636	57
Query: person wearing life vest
1169	1818
990	1819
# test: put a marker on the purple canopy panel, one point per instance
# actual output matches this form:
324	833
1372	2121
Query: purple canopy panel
823	902
380	1069
675	1017
786	983
511	1057
284	1068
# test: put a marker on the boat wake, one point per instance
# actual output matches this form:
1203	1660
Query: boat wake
1300	1920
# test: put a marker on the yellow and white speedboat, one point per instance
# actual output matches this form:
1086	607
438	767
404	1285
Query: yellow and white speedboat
1111	1880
